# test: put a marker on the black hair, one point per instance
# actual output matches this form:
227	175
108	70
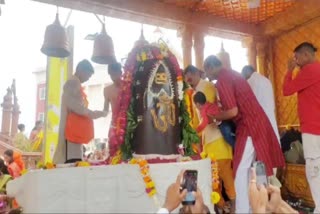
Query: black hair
3	167
21	127
37	124
306	46
85	66
248	68
200	98
191	69
114	67
212	62
9	152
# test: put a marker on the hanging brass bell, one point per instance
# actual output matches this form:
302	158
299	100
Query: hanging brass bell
103	50
56	40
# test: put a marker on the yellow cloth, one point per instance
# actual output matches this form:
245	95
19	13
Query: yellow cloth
219	148
22	142
37	143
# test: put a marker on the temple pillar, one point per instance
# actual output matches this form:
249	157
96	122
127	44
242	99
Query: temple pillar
6	113
15	110
199	45
224	57
262	51
250	44
186	35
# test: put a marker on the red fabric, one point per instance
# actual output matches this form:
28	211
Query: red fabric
15	168
307	85
234	91
207	109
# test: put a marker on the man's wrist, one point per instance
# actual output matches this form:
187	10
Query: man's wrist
168	207
260	210
285	208
163	211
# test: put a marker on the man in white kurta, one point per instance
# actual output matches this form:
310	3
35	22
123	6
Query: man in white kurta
263	90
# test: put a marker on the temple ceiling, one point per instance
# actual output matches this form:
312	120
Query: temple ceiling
248	11
232	19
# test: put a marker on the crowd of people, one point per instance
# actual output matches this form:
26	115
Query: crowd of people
11	167
247	100
236	122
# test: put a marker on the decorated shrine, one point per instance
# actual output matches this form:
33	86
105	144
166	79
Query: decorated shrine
153	122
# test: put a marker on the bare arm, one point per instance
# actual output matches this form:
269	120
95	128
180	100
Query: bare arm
106	101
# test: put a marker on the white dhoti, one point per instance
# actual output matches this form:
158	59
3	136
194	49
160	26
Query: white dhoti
242	178
311	149
74	151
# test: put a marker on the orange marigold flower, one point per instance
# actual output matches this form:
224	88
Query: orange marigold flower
142	163
146	179
144	171
215	186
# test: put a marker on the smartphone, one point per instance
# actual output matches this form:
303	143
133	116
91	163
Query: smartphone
260	168
189	182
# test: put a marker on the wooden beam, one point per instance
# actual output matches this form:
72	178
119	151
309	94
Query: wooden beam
300	13
160	14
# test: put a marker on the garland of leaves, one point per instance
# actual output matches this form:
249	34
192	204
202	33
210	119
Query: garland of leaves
126	147
189	135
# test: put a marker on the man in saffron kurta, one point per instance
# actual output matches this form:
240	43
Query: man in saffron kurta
307	84
255	138
77	125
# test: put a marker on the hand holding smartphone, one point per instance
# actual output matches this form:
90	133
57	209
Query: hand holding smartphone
189	182
262	178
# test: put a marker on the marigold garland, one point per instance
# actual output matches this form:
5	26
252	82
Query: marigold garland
150	186
215	196
124	120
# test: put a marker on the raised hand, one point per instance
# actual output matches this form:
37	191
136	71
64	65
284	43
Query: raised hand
258	195
174	196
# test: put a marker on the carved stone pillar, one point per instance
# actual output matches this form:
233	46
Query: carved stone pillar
15	117
250	44
199	45
6	113
262	51
15	110
186	35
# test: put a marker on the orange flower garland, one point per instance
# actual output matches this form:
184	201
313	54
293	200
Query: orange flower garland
144	170
215	197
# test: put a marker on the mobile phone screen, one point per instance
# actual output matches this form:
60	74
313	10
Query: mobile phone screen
189	183
261	173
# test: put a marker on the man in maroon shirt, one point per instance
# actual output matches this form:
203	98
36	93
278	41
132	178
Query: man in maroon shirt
255	138
307	84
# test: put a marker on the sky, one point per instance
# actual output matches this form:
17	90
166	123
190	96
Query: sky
22	27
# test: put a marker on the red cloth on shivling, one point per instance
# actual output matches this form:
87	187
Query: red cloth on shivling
251	121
